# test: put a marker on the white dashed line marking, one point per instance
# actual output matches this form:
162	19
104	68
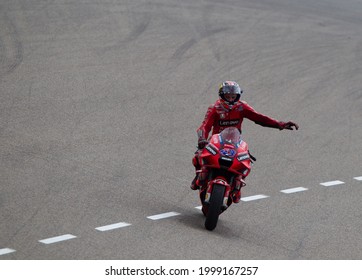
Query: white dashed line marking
294	190
332	183
5	251
163	216
65	237
254	197
112	226
57	239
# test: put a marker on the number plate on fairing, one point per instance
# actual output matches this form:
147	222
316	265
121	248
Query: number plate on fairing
228	153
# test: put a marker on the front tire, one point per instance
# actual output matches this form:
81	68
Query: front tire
214	209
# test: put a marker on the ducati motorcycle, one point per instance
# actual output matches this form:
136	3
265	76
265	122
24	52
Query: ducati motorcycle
225	162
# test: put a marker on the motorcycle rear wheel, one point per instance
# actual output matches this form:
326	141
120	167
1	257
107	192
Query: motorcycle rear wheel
214	209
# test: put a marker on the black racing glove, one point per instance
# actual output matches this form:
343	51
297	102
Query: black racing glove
202	143
288	125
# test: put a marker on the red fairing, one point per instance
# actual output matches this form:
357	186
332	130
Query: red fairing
235	155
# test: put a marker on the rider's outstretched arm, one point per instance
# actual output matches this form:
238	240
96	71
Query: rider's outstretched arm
263	120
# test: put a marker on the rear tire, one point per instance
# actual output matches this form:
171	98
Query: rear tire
214	209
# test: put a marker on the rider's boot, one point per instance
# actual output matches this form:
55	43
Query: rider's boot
200	179
194	185
236	196
195	161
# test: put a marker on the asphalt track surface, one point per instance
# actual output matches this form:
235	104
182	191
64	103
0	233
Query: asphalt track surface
99	105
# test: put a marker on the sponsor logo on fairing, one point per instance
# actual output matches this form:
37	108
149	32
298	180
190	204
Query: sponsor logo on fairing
242	157
211	150
228	122
226	158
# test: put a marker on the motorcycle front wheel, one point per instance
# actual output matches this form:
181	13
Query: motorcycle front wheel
214	209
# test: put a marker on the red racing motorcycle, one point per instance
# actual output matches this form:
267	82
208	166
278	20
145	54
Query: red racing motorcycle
225	162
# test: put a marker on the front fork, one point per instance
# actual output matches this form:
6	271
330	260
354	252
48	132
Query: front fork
219	181
239	183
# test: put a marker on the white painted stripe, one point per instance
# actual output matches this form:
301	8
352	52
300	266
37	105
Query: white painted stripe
199	207
5	251
332	183
254	197
163	216
294	190
358	178
112	226
57	239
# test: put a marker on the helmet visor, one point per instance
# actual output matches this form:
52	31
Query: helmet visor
231	97
231	89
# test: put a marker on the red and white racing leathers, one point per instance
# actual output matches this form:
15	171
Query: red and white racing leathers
219	116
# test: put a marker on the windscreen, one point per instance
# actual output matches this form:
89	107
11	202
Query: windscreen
231	135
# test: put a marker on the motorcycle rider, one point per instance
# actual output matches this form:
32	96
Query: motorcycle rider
229	111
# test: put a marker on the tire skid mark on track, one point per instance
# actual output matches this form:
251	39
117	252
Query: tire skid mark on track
65	237
11	48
